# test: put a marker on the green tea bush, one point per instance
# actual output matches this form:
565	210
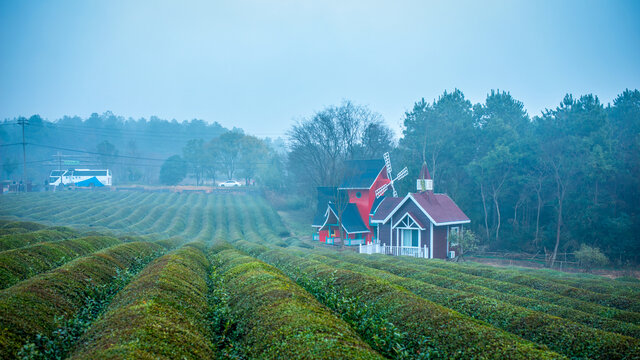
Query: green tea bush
468	284
421	329
35	309
23	263
26	225
563	336
277	319
161	314
512	282
18	240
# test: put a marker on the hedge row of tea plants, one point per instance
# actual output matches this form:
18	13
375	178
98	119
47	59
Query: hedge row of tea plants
24	225
14	240
19	264
548	285
45	315
463	273
277	319
161	314
420	328
563	336
154	211
452	281
590	282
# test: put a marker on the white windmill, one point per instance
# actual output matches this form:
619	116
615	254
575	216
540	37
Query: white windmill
387	164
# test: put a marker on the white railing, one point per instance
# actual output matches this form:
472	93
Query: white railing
421	252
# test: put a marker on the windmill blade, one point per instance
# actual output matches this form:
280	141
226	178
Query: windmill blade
404	172
381	190
395	193
387	164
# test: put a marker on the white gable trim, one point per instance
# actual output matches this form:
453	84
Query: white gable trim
326	214
412	219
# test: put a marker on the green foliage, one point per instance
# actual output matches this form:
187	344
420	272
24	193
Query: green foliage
20	239
419	319
107	153
27	225
466	240
278	319
173	170
159	315
561	335
30	308
381	298
536	288
20	264
590	257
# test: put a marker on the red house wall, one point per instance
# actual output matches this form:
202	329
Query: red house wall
323	235
367	198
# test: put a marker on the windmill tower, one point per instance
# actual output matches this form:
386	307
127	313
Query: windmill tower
425	183
387	164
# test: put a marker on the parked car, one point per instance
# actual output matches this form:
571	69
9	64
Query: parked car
230	183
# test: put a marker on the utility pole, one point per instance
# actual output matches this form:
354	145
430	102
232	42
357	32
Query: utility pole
23	121
59	156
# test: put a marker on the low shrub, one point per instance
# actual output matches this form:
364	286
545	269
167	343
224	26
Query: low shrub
23	263
277	319
515	283
18	240
27	225
161	314
561	335
48	304
419	328
469	284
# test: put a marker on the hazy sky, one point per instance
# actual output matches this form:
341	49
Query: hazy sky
260	65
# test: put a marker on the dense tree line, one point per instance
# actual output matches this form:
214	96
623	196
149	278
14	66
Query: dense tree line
548	183
544	184
128	146
135	150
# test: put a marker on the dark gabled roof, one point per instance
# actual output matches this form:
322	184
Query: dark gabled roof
375	205
319	218
361	174
351	220
325	195
440	207
386	206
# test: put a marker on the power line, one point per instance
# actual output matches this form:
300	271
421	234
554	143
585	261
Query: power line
132	157
96	153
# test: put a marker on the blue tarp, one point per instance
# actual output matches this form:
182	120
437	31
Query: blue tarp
90	181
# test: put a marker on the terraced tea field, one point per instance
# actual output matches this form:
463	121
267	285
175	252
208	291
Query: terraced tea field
128	275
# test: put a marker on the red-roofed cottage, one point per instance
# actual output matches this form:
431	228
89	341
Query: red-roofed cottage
418	224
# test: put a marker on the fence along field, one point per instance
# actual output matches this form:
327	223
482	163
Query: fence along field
383	306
